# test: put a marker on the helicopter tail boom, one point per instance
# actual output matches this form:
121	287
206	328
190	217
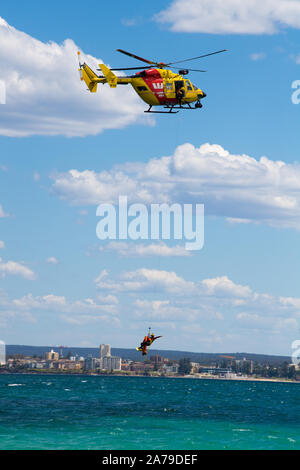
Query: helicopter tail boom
111	78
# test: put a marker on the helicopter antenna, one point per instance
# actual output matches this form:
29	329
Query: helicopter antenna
80	66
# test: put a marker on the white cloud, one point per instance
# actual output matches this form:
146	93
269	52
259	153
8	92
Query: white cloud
154	304
142	249
231	16
2	213
88	319
296	58
224	286
290	302
258	56
154	280
236	220
144	280
129	21
44	95
60	304
52	260
46	301
169	296
89	188
206	312
102	275
237	187
161	310
78	312
16	269
2	244
108	299
258	322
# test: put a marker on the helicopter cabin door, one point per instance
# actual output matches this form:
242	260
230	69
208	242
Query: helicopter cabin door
169	89
180	89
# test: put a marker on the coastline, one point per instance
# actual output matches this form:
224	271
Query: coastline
248	379
193	377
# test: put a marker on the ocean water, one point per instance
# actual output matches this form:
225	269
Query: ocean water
106	413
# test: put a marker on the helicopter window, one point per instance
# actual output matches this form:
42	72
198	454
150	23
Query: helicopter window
142	88
179	84
169	86
189	85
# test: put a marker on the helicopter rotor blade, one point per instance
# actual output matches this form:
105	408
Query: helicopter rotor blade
198	57
136	57
131	68
190	70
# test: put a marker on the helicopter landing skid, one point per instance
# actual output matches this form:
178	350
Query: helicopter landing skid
197	106
161	112
171	108
180	107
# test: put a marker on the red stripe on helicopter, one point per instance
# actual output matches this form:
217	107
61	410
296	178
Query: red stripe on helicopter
156	84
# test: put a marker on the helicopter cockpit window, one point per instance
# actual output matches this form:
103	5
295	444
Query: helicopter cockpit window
189	85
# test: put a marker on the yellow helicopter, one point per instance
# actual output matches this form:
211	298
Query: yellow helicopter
155	83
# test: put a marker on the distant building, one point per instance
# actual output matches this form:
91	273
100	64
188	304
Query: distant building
157	359
208	370
195	367
110	363
107	361
223	371
92	363
2	353
37	365
52	355
137	367
244	365
104	350
72	365
171	369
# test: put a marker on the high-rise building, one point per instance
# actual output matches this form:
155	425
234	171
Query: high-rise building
110	363
52	355
91	363
107	361
2	353
104	350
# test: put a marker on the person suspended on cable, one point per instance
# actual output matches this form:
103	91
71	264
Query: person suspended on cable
147	341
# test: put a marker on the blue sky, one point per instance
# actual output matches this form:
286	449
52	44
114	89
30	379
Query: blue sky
58	283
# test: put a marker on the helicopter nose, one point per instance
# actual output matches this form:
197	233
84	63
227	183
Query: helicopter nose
201	95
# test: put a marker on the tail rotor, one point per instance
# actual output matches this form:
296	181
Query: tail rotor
80	66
